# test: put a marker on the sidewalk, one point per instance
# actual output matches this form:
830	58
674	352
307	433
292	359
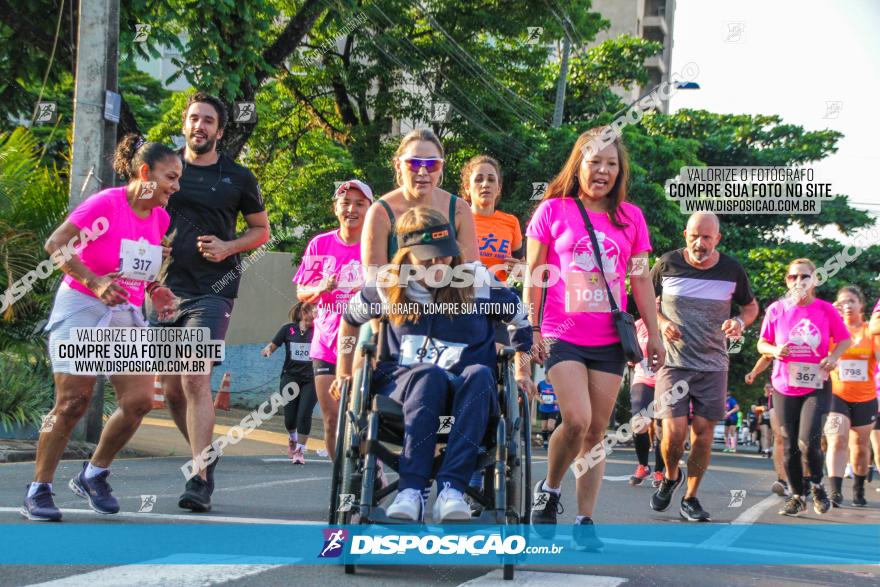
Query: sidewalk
158	435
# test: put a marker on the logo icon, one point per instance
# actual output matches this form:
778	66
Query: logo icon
346	500
348	344
440	111
538	189
142	31
735	32
806	333
833	108
48	422
334	539
147	189
244	113
737	496
446	423
540	501
535	33
584	259
735	344
147	503
638	265
832	424
47	112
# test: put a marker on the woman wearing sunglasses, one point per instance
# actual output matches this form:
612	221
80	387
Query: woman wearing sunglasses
418	172
797	332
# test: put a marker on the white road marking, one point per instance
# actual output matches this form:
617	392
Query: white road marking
617	478
541	579
287	460
271	484
183	517
741	524
160	573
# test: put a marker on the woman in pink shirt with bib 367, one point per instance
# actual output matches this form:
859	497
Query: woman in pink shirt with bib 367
583	352
796	332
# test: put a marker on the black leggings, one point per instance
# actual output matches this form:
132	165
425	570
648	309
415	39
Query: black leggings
298	412
801	418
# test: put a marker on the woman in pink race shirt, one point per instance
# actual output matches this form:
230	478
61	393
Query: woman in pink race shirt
109	249
328	277
796	332
583	352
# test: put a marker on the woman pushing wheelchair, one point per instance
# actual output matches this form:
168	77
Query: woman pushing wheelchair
440	335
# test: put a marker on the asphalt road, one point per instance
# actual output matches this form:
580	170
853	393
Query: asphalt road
268	489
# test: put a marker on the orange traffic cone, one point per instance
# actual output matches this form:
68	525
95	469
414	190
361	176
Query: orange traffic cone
158	394
222	400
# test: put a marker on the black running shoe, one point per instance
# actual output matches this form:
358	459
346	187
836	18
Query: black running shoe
821	503
663	496
584	536
692	511
197	497
545	508
793	506
859	497
209	474
836	498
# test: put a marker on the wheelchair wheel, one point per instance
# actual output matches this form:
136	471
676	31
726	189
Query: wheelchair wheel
525	455
337	477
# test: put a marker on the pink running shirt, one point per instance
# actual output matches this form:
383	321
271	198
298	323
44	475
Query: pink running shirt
558	224
809	330
328	255
102	255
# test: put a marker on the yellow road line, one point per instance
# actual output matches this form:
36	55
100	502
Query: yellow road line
258	435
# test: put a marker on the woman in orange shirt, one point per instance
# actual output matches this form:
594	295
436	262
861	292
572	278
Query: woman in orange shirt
499	237
854	400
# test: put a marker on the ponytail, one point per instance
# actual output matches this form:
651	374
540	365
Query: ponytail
133	151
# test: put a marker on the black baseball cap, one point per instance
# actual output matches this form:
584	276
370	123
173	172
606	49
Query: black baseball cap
430	242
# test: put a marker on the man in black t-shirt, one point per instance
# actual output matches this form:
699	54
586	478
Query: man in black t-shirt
203	268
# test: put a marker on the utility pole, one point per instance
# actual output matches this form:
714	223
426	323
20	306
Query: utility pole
560	86
94	139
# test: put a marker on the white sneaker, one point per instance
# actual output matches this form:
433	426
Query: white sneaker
407	506
450	505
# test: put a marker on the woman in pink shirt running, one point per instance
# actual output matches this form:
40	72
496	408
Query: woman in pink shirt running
796	332
583	352
328	277
109	249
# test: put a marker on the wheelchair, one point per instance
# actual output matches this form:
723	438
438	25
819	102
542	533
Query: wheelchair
370	428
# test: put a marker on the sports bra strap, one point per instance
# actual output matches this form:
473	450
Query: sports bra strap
392	237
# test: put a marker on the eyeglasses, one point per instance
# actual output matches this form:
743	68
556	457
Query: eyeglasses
796	276
432	164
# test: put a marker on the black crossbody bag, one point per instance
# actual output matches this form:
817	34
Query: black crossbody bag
623	321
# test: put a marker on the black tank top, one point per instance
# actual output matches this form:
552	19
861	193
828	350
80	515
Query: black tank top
392	236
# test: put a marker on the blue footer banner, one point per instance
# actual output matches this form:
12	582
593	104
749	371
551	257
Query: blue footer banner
672	544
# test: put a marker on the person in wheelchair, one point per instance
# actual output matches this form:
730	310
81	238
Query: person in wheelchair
440	339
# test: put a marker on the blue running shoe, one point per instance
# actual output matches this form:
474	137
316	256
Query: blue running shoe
40	507
96	490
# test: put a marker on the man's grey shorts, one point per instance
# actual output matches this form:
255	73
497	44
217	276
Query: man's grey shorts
706	390
207	311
